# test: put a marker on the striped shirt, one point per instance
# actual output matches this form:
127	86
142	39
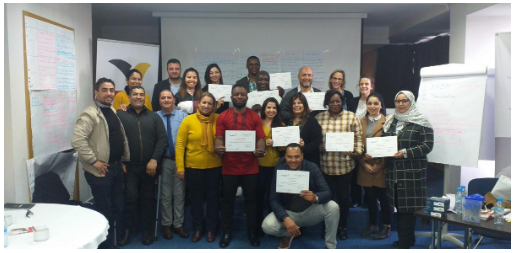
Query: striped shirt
338	163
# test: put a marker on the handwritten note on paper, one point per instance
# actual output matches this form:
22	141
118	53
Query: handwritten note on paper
240	141
51	57
382	146
290	181
315	100
53	116
282	136
280	79
220	91
339	142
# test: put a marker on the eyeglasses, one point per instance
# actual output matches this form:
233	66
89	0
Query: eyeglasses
404	101
337	79
335	102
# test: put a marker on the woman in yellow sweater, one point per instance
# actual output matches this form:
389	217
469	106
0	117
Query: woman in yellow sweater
195	156
271	118
121	100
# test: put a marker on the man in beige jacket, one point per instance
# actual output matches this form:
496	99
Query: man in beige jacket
100	141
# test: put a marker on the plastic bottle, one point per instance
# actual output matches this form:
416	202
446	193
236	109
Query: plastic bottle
6	242
459	201
498	213
464	191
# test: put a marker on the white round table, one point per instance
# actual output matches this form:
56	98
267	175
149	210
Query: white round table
71	227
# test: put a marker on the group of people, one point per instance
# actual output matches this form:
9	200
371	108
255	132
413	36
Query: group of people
124	145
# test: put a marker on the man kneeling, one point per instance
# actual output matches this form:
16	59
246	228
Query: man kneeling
291	211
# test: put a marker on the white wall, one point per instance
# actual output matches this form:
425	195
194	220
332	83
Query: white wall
473	42
77	16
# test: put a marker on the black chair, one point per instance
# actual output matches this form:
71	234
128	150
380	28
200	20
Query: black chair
483	186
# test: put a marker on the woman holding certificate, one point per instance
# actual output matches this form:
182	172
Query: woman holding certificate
310	132
213	75
196	157
406	170
186	99
271	118
371	171
336	166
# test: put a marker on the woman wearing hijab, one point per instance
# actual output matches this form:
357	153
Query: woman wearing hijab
195	154
371	171
406	170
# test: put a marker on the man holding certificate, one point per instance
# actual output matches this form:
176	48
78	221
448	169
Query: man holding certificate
240	164
312	206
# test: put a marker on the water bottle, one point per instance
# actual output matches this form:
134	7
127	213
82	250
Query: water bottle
6	243
459	200
498	212
463	191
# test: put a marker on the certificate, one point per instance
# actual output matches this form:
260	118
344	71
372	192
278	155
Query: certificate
240	141
258	97
282	136
382	146
220	90
280	79
315	100
291	181
339	142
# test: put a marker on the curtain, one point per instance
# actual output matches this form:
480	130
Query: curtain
398	66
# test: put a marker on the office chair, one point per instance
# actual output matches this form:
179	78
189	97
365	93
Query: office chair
483	186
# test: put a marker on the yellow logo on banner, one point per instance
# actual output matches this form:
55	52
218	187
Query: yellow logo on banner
124	66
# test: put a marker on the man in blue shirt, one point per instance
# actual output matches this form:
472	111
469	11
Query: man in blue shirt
310	207
172	186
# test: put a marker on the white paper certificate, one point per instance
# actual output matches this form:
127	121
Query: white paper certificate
282	136
240	141
220	90
280	79
290	181
339	142
315	100
382	146
258	97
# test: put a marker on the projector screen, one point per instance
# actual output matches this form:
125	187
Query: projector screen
282	45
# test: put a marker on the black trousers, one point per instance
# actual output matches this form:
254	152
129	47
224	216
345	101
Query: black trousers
204	185
138	185
263	192
355	188
230	184
405	226
372	194
339	186
108	194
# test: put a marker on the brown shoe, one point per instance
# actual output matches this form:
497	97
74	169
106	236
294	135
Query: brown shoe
196	236
371	230
285	242
167	232
181	232
211	237
385	233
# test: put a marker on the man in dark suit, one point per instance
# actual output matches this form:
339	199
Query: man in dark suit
173	83
253	67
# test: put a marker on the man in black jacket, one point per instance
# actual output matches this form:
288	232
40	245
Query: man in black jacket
147	143
292	211
173	82
253	67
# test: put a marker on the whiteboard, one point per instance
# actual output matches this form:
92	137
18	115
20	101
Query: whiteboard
283	45
452	97
50	68
503	85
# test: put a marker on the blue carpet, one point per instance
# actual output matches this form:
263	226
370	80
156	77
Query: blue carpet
357	222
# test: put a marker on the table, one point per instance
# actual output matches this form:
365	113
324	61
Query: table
71	227
453	218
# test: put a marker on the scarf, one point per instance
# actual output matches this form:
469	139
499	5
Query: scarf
206	140
410	116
